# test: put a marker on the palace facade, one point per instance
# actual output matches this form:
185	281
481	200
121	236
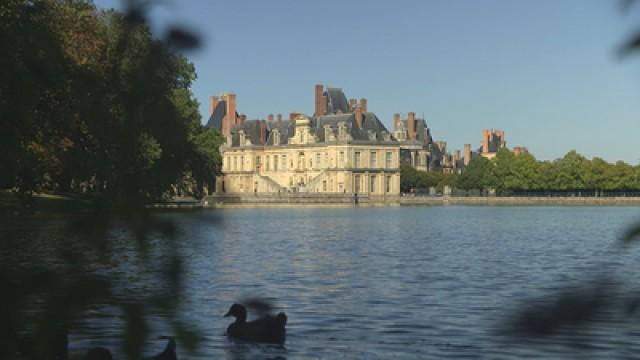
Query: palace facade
342	148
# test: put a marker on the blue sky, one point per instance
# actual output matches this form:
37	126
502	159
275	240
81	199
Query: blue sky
544	71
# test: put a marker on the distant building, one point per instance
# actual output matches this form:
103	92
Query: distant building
492	141
342	148
518	150
418	149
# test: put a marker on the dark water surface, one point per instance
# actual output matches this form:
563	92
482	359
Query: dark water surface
394	283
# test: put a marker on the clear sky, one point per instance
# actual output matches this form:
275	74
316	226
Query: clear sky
544	71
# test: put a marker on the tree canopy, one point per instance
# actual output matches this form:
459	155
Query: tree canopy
95	104
508	173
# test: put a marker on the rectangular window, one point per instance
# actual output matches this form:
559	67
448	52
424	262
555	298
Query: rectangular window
341	158
235	163
241	162
275	162
326	160
388	159
284	162
356	159
268	162
373	160
388	184
257	162
372	183
356	185
324	185
317	160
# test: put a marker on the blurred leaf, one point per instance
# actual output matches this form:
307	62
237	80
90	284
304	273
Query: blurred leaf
632	45
568	308
187	336
259	306
182	39
632	233
136	331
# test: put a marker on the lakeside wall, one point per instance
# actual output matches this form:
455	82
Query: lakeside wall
347	200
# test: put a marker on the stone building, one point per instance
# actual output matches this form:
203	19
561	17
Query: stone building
492	141
342	148
418	149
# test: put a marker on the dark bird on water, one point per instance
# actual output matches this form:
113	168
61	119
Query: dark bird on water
268	329
169	352
99	353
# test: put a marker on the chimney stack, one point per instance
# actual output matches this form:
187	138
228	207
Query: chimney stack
467	154
486	136
411	125
230	118
363	104
214	103
279	120
321	101
358	116
242	119
263	132
270	117
396	121
500	134
352	104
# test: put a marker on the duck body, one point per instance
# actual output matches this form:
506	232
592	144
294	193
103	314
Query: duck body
268	329
99	353
169	352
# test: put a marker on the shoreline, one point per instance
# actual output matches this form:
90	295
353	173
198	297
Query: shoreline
345	201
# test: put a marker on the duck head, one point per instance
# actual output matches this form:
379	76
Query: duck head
171	344
238	311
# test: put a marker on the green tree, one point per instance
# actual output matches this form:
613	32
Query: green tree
408	178
571	172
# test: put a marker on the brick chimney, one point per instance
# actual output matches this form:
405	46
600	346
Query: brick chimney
270	117
321	101
500	134
279	120
363	104
230	118
214	103
396	121
263	132
486	136
411	125
467	154
358	115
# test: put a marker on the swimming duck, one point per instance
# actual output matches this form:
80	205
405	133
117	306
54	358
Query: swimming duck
269	329
169	352
99	353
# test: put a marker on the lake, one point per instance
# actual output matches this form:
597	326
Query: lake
396	283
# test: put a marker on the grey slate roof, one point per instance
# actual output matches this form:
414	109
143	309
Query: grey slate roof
215	120
337	101
370	124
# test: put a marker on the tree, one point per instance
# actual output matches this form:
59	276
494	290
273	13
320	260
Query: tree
476	175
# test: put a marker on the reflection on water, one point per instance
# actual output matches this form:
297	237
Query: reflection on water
389	282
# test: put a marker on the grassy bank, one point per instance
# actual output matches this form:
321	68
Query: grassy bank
41	202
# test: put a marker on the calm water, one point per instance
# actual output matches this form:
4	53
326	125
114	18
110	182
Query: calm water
428	282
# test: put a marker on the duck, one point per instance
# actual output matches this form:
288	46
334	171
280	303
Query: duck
169	352
268	329
99	353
